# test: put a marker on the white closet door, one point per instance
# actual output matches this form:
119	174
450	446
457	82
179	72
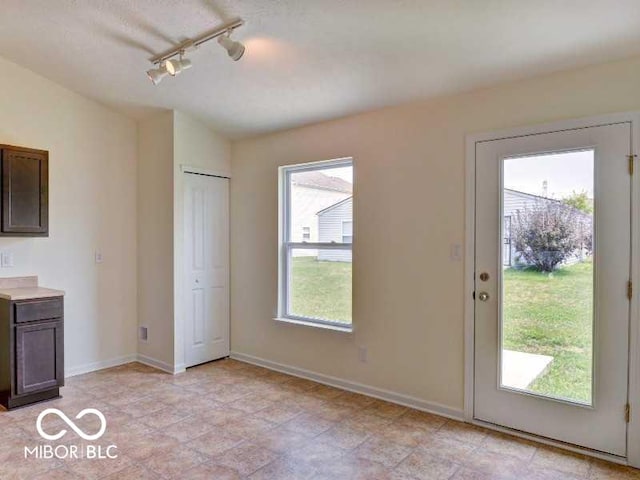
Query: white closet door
206	241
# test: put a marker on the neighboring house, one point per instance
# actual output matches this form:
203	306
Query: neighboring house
335	224
311	192
515	201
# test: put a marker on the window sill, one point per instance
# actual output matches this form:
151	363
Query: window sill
336	328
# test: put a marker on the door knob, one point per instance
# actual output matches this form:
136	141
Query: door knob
483	296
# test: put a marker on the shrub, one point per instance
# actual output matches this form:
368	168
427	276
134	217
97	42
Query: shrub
548	233
580	201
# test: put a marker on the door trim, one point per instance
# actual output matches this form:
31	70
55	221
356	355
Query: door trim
633	429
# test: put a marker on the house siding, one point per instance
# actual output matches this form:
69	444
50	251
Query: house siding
330	223
308	201
513	202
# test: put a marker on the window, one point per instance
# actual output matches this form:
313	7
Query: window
506	249
315	272
347	231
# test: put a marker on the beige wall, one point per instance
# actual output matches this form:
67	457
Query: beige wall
195	145
92	168
166	142
155	237
409	209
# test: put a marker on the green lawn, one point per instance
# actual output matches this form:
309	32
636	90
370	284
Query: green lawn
545	314
321	289
552	315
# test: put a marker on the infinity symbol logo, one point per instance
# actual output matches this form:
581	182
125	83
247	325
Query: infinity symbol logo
61	433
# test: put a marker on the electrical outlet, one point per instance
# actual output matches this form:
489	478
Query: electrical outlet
143	333
455	252
362	354
6	259
98	256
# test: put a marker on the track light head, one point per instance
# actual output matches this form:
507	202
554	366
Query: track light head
157	74
173	67
233	48
176	66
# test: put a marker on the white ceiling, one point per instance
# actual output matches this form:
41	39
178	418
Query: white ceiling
308	60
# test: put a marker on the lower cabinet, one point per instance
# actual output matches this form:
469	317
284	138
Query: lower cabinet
32	350
39	356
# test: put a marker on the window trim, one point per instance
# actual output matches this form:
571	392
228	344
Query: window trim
284	245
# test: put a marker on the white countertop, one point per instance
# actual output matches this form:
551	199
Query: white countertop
27	293
25	288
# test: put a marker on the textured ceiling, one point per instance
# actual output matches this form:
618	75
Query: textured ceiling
308	60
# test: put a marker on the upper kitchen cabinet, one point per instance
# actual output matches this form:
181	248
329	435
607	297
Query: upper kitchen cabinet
25	192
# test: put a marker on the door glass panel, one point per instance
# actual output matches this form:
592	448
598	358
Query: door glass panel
547	275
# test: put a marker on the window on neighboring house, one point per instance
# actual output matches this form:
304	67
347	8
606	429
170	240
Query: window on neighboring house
506	241
315	278
347	231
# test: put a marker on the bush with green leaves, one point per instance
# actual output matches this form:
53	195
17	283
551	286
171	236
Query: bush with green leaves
580	201
548	233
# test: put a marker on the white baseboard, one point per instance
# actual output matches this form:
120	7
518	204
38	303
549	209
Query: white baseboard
160	365
400	399
114	362
92	367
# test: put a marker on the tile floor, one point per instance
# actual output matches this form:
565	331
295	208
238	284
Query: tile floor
230	420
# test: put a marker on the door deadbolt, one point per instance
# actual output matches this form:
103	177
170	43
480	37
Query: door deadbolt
483	296
484	276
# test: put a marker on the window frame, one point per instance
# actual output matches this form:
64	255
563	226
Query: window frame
285	246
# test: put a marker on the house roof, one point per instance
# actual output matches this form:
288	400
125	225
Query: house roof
533	196
316	179
335	205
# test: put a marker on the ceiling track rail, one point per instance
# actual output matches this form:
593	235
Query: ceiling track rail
196	42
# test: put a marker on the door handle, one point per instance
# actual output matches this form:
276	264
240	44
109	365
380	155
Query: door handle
483	296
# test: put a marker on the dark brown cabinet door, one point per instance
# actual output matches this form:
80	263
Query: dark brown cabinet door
25	183
39	356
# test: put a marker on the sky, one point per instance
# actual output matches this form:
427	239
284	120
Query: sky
565	173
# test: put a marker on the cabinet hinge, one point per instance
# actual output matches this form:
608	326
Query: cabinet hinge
631	162
629	289
627	413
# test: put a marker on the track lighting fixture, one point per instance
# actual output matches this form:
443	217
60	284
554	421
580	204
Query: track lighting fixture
233	48
167	64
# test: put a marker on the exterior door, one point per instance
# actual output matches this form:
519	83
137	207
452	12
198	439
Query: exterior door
552	268
206	240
